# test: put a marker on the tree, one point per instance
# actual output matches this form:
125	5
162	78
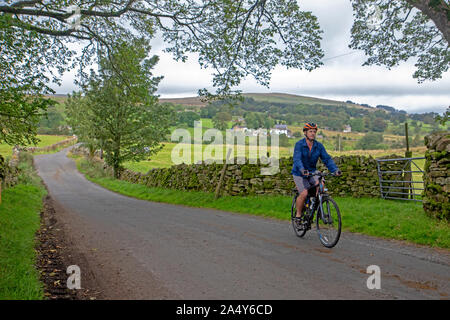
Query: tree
256	120
239	38
20	113
82	119
235	38
393	31
298	134
27	59
52	123
429	117
444	118
209	111
417	128
371	140
21	100
357	124
221	120
379	125
268	123
399	129
418	141
121	110
283	140
187	118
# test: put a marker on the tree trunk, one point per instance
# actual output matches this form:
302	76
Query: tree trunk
439	14
116	163
116	171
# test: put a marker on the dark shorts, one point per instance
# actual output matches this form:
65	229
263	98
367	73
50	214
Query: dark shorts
305	183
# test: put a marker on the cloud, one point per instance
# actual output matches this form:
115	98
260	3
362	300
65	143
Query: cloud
368	80
342	77
335	19
409	103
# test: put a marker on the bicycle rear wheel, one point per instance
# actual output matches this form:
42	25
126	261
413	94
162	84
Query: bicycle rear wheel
298	229
329	223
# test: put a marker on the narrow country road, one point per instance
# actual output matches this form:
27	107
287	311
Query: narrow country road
145	250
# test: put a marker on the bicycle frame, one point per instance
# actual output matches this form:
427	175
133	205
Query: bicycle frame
318	203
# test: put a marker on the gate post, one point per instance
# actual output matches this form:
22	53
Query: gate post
380	178
408	175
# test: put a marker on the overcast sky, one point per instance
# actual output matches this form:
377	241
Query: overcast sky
340	78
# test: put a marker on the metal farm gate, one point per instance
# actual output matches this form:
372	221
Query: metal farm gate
400	179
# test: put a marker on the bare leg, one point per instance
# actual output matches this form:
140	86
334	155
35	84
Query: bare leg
300	202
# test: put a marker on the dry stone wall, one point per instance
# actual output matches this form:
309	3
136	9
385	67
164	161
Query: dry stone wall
63	143
8	174
436	175
359	177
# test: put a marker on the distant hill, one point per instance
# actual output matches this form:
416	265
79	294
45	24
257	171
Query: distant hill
266	97
270	97
189	101
295	99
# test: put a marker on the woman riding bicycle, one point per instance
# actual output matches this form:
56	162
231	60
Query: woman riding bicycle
306	154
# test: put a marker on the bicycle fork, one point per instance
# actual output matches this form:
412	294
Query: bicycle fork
326	217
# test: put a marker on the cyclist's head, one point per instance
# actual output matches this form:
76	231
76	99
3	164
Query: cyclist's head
310	130
309	126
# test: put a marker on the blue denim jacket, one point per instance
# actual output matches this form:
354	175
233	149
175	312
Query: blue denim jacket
304	159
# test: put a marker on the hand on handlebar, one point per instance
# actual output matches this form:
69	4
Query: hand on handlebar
305	172
337	173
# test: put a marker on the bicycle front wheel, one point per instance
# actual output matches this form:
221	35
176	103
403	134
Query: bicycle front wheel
329	223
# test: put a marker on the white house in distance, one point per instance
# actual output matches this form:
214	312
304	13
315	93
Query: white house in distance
347	128
240	129
279	129
257	132
250	132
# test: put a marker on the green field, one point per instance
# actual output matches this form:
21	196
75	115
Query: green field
163	158
45	140
207	123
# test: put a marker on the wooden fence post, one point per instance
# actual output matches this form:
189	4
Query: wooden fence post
222	175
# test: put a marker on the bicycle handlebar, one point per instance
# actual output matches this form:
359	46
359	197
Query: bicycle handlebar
320	174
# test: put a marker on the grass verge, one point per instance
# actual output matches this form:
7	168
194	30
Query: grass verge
376	217
19	221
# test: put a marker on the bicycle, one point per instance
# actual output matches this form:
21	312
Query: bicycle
328	221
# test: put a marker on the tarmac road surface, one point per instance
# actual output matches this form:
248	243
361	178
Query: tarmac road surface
137	249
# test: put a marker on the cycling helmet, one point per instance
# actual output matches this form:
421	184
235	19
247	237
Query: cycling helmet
309	125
